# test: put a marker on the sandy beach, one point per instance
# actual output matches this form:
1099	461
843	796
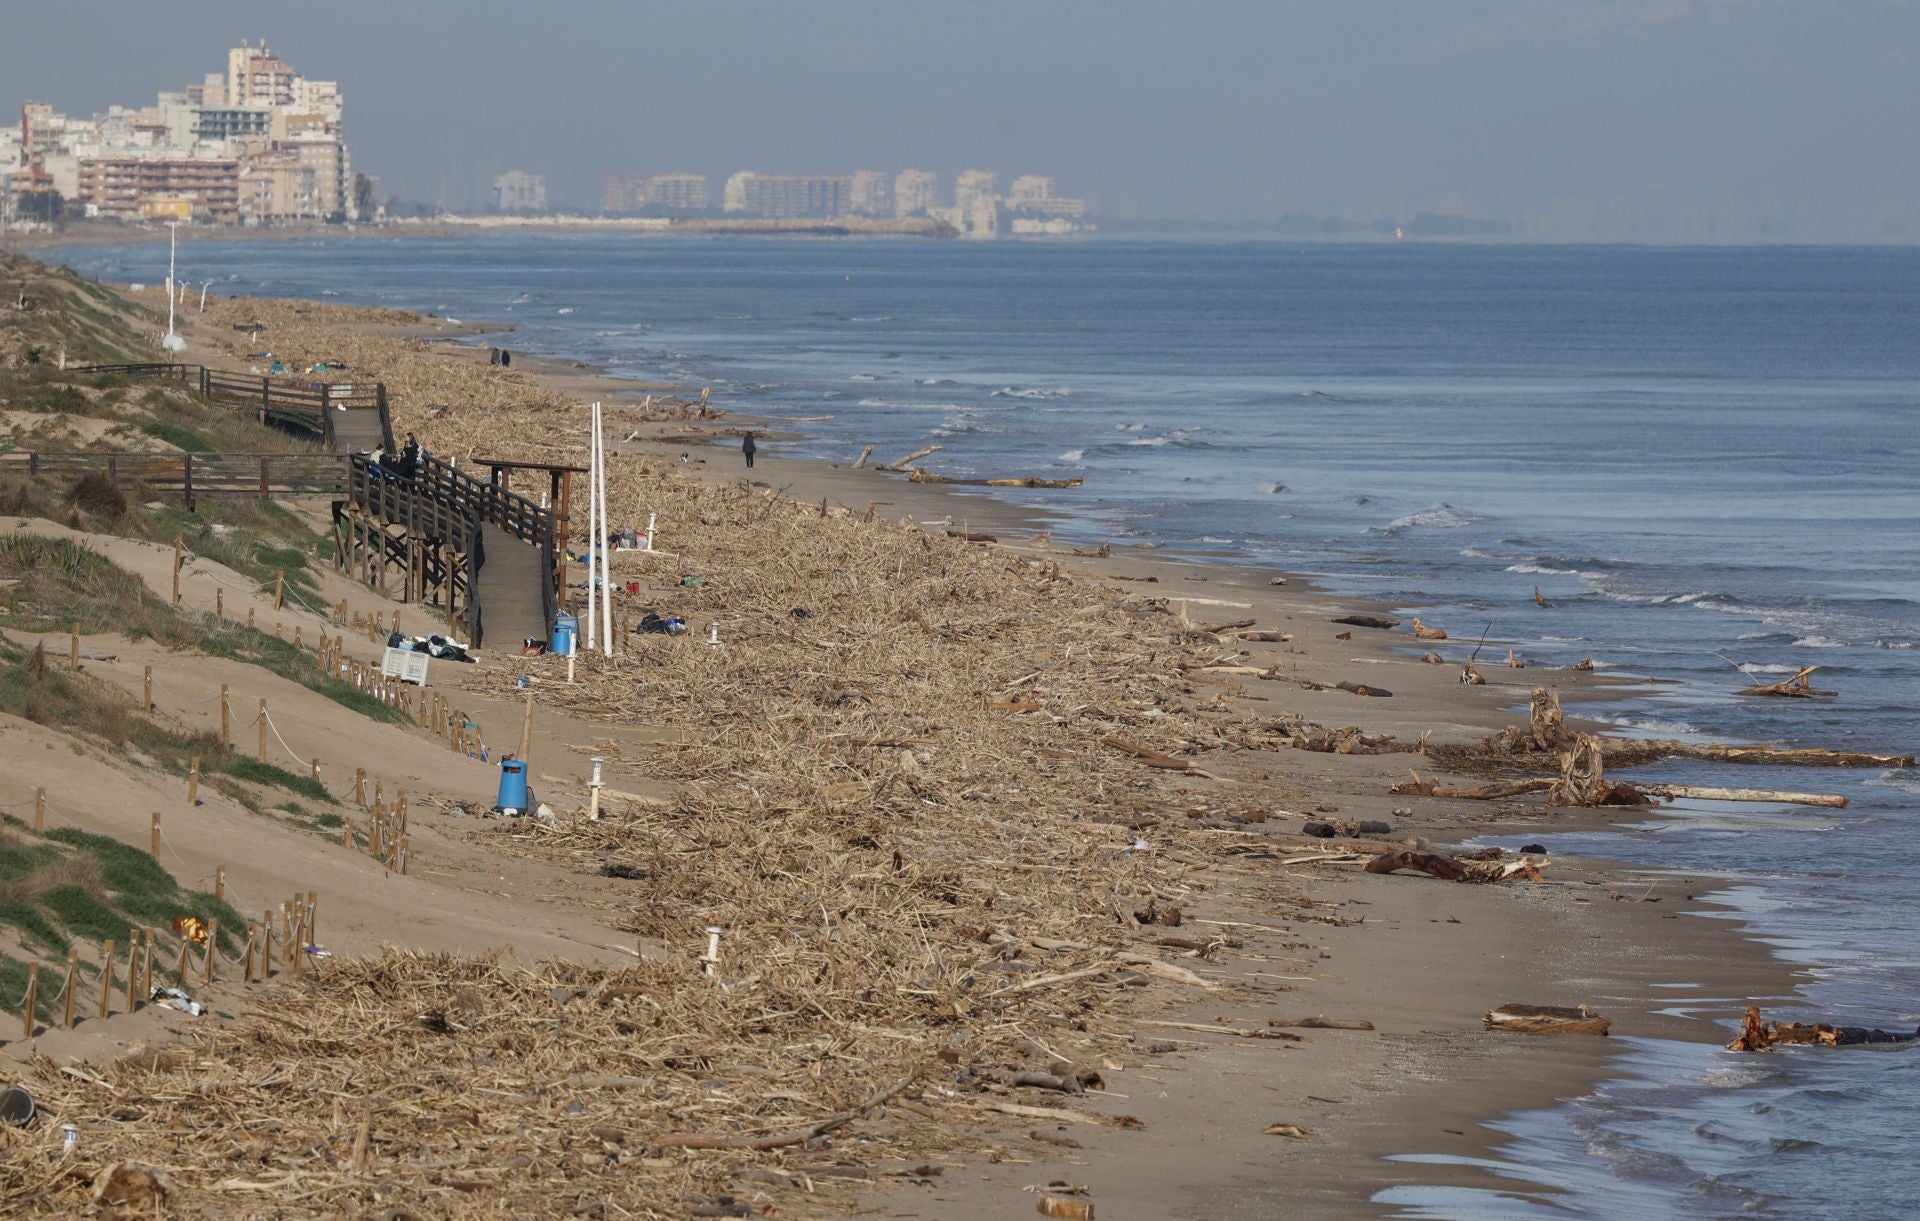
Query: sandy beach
908	811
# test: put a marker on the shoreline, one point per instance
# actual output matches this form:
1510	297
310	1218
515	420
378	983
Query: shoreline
1393	1118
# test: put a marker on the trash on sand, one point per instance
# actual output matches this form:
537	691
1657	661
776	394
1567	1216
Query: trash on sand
1546	1019
190	928
1287	1129
691	581
16	1107
319	952
1756	1035
174	998
1061	1206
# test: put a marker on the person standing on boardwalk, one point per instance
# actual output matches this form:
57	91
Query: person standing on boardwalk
746	448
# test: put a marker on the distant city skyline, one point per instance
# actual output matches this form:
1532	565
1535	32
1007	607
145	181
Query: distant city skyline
1654	120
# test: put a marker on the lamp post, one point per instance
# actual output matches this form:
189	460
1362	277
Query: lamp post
172	341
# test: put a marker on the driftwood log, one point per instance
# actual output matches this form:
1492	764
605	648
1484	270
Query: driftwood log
1796	687
1699	792
1546	1019
782	1138
1583	779
1451	869
1756	1035
1422	632
1373	621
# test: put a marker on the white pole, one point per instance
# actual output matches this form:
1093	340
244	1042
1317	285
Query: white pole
593	464
173	238
606	573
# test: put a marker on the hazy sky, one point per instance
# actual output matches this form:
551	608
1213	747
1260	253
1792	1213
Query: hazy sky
1232	109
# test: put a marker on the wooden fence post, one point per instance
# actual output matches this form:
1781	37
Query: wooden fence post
179	545
193	783
279	578
153	837
33	997
360	787
220	883
73	648
226	718
146	684
263	729
106	977
213	948
39	811
73	981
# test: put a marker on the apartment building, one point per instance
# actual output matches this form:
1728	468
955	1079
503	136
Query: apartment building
634	192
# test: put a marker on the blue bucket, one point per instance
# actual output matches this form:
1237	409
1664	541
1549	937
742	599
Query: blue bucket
566	630
513	787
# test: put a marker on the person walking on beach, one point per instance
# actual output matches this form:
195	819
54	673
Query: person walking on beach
746	448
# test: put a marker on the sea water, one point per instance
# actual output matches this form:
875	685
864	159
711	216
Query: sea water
1704	459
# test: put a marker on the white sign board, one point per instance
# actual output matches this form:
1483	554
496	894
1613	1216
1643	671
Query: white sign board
405	665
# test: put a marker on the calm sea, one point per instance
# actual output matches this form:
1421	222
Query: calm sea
1707	460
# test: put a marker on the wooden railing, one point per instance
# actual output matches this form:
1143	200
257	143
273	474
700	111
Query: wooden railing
441	501
267	476
307	405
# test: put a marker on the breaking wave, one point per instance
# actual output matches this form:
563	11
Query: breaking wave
1073	455
1024	392
1439	515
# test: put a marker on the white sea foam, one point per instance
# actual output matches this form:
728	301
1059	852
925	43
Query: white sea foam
1653	726
1028	392
1819	642
1153	441
1438	515
564	310
1543	570
1272	489
1752	668
1130	427
864	377
938	381
1073	455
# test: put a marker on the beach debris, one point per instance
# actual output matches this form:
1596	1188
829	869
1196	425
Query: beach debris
1064	1208
1796	687
1331	828
1470	675
1007	481
1343	635
1277	581
971	536
1584	665
1373	621
1154	758
900	467
1534	849
1756	1035
781	1139
1321	1023
1546	1019
1455	869
1350	740
1698	792
1418	787
1265	637
130	1186
1422	632
1293	1130
1054	1138
1434	659
1583	779
1514	662
1539	599
16	1107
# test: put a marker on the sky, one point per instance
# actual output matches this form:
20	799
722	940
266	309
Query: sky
1216	110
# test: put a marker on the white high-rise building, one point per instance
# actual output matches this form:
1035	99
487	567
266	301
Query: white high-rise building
517	191
914	193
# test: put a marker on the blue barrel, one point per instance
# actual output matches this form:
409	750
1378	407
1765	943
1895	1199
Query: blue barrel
566	630
513	787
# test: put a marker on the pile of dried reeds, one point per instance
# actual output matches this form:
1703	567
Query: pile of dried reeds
902	807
